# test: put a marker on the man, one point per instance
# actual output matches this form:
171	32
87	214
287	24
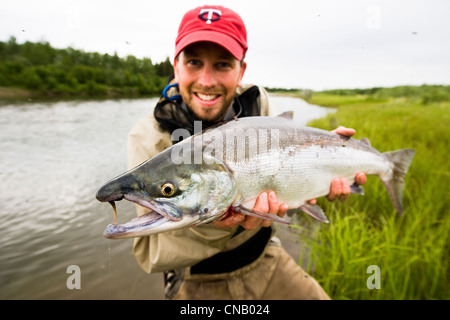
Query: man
235	257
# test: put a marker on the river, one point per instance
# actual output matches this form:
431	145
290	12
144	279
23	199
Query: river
53	158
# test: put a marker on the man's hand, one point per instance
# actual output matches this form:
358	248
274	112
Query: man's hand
343	131
340	187
266	202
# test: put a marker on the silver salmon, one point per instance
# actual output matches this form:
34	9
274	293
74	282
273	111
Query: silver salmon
198	179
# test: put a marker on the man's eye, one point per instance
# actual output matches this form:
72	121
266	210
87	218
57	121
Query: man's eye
224	65
194	62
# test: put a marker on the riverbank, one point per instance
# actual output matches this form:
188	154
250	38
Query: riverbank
411	250
20	94
10	93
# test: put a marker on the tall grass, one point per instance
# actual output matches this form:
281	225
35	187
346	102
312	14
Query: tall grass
411	250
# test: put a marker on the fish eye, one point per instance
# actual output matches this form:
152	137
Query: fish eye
168	189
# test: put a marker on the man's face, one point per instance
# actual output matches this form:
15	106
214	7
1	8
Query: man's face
208	75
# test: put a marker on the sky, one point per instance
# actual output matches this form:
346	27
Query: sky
318	45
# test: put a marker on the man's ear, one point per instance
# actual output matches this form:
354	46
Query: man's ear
175	69
241	73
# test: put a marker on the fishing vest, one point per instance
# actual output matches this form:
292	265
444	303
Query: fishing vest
171	112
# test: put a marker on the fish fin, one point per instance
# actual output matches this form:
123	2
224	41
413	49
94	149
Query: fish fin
315	211
287	115
402	160
261	215
357	189
365	141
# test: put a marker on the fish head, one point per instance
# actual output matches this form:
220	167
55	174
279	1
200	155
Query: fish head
177	195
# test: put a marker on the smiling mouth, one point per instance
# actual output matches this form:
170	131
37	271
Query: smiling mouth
207	97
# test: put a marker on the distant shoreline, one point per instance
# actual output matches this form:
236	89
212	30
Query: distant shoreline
16	93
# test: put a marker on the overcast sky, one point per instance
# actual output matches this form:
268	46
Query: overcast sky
294	44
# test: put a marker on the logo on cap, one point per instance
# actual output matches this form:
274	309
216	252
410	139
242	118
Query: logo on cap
209	13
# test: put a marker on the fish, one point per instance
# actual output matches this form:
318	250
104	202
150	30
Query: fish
196	180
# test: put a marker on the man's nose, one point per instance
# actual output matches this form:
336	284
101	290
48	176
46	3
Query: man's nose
207	76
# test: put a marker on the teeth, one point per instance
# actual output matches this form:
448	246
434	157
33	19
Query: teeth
207	97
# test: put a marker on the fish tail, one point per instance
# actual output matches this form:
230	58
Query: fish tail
395	184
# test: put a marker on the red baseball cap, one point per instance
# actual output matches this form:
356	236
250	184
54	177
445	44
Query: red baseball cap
213	24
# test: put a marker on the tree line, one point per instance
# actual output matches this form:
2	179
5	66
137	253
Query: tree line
41	68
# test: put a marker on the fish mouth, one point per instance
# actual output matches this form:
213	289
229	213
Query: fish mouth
150	223
163	216
136	227
166	209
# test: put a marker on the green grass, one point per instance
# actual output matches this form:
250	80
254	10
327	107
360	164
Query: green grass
333	100
411	250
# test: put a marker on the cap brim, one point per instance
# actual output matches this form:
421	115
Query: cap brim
223	40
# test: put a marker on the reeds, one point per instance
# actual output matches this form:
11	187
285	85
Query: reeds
411	250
